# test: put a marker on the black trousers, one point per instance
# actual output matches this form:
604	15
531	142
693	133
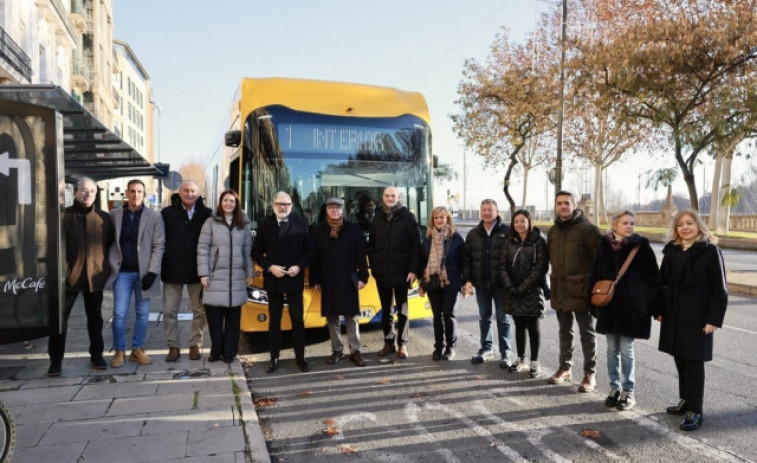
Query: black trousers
56	345
445	324
399	294
275	311
223	327
691	383
528	325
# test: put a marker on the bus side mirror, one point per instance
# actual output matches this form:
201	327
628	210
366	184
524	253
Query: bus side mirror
233	138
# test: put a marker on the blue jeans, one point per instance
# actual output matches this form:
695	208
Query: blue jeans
484	298
125	284
620	357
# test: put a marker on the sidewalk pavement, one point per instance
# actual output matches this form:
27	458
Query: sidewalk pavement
188	411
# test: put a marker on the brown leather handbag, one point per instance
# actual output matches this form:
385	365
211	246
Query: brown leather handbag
603	290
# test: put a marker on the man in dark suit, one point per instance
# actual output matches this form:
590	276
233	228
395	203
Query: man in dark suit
283	247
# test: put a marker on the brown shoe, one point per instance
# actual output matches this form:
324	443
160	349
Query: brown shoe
118	359
194	353
357	359
138	355
402	353
173	354
560	376
388	349
588	384
334	357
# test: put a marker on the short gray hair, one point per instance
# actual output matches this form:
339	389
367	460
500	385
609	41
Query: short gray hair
81	181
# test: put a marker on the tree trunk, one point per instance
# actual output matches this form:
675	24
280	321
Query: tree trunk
525	184
724	217
715	195
506	186
688	175
597	188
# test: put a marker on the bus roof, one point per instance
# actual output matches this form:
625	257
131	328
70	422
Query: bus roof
335	98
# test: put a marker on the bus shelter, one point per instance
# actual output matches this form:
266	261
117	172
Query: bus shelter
47	139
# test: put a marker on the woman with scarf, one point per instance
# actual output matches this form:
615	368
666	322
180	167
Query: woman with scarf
338	271
628	316
442	256
522	268
693	307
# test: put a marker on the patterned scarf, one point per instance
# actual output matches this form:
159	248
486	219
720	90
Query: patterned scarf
435	256
336	226
615	243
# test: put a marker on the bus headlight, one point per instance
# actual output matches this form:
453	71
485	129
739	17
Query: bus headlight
257	295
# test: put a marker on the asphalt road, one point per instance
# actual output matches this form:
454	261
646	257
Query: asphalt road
421	410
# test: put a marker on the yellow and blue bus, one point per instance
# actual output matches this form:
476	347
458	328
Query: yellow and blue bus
316	140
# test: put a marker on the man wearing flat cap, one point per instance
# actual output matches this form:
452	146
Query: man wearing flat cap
283	248
339	270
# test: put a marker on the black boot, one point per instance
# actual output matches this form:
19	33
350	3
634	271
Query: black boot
692	421
677	409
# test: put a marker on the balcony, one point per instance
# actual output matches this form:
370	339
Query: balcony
14	56
81	74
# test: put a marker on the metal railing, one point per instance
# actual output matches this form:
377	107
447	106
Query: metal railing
15	56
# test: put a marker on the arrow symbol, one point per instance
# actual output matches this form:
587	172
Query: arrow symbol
24	168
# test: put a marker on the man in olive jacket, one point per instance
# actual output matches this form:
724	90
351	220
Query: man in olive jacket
394	250
183	220
573	241
88	234
283	247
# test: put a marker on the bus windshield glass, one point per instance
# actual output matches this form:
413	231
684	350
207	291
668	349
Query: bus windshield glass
314	157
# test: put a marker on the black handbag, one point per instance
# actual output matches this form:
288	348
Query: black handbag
434	282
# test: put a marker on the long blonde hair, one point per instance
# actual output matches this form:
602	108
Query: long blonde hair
430	228
704	232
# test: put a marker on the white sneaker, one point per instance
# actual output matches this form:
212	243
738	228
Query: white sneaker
626	401
535	370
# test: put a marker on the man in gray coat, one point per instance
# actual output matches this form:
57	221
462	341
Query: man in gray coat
135	259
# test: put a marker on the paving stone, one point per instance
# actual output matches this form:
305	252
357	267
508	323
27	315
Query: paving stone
29	435
64	453
83	431
157	423
212	384
137	449
52	382
230	457
216	440
50	413
141	405
110	390
48	395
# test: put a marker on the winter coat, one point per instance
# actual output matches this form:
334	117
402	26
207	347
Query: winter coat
394	247
288	246
694	294
89	234
453	263
150	245
223	255
522	267
572	245
629	313
337	266
180	256
477	244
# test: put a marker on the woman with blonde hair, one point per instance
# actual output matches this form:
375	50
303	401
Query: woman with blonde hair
442	262
693	307
628	315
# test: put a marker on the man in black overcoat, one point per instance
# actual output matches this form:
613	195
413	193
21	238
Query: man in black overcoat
283	247
339	270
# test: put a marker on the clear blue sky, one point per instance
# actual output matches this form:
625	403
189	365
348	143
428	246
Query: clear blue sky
196	52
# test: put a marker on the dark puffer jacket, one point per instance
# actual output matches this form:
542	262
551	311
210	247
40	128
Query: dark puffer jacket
572	245
636	294
482	254
522	267
394	247
179	264
694	294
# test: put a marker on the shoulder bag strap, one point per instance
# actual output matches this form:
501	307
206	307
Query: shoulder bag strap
627	262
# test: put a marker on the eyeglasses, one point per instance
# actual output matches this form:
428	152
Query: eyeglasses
282	204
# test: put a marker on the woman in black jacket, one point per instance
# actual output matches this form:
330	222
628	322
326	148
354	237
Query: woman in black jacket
694	303
442	254
522	268
628	316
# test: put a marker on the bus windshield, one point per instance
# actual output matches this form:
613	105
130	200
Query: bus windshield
314	157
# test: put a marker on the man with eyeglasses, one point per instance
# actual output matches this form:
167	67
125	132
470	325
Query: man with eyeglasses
283	248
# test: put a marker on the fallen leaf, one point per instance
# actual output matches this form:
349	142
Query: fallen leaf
419	395
385	381
331	431
444	390
305	393
265	402
480	377
328	421
340	377
347	449
593	433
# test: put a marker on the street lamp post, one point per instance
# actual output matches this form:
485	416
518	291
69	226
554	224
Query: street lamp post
560	114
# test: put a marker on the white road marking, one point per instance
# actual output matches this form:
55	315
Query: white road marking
344	419
411	411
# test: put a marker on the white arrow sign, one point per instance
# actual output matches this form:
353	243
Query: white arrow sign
24	168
